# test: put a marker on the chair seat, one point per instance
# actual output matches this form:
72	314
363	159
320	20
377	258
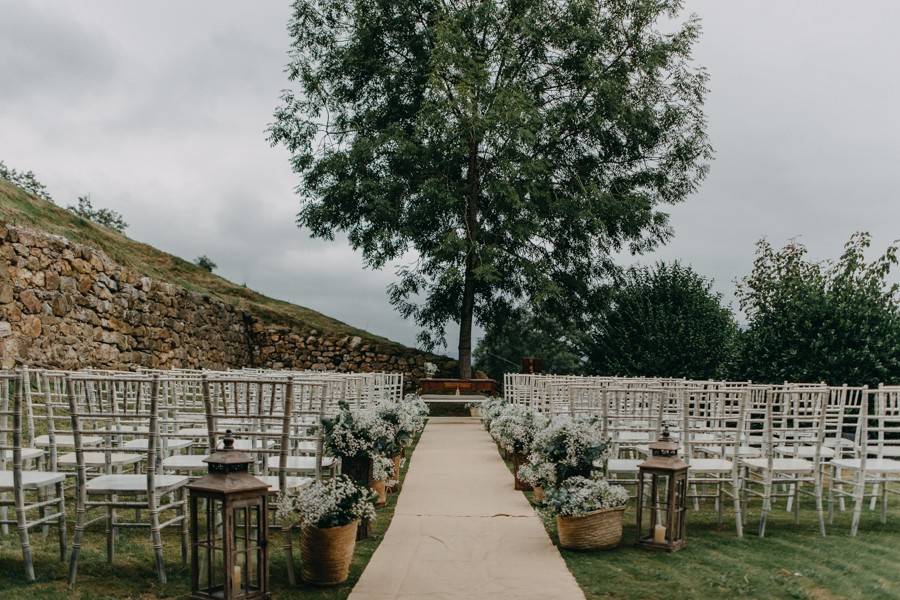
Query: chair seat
191	462
98	459
291	482
193	432
31	480
133	484
743	451
889	451
711	465
622	465
780	465
300	463
66	441
28	453
804	451
873	465
141	445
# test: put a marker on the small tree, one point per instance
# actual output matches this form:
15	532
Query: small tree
663	321
101	216
510	148
835	321
26	180
206	263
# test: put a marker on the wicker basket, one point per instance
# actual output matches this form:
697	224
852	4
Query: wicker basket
518	460
379	488
325	554
538	494
597	530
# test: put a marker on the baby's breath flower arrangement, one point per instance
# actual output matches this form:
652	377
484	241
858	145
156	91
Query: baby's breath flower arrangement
383	470
514	428
571	445
490	409
329	503
537	473
578	496
353	433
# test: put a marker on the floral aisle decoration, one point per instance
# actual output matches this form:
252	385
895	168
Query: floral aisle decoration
573	446
329	513
383	477
539	474
588	513
514	429
354	433
490	409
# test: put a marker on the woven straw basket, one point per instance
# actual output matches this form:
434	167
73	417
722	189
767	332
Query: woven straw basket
597	530
378	487
538	494
518	460
325	554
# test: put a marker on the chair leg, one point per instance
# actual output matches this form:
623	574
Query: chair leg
738	513
831	495
819	510
156	536
874	499
111	532
289	554
796	498
22	525
766	503
4	515
858	499
884	499
61	524
185	533
76	542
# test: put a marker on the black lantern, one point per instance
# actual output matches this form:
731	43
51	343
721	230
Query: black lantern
662	497
229	529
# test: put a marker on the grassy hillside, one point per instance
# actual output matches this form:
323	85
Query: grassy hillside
18	207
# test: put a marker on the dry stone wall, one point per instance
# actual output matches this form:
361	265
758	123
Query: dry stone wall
65	305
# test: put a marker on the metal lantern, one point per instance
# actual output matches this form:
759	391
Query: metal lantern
229	529
662	497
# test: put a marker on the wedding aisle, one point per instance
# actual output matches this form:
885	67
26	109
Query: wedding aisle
461	531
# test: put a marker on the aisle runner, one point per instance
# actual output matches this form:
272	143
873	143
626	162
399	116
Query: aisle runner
461	531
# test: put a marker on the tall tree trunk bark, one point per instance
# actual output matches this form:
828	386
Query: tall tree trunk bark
468	300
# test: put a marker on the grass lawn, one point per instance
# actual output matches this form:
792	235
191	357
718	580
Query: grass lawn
792	561
132	575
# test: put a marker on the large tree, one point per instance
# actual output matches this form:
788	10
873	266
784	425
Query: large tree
502	149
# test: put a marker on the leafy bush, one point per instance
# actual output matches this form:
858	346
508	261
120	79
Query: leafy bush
578	496
663	321
101	216
835	321
330	503
515	427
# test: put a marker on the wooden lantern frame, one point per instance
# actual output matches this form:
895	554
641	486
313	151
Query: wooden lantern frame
233	502
664	469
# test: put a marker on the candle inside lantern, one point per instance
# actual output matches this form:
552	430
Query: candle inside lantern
659	534
236	579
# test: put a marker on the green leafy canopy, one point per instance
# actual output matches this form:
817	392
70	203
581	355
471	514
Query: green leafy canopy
503	150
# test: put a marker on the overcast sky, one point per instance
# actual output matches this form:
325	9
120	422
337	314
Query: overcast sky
158	110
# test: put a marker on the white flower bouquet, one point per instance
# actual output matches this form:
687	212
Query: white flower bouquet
490	410
578	496
329	503
515	427
571	445
358	432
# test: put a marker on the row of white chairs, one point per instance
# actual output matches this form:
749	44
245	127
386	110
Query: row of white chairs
832	443
129	442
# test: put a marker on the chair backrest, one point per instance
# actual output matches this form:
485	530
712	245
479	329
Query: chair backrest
115	409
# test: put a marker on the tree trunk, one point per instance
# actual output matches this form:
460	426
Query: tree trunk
468	300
